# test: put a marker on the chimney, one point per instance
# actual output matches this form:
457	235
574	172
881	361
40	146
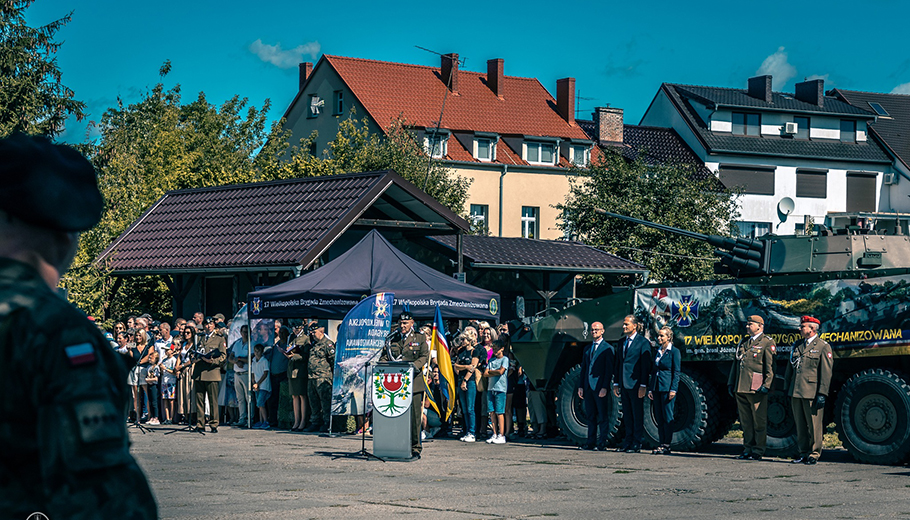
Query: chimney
760	88
565	99
495	76
812	91
449	71
609	124
306	69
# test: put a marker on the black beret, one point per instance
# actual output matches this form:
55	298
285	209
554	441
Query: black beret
48	185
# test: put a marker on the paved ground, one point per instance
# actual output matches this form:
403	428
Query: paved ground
244	474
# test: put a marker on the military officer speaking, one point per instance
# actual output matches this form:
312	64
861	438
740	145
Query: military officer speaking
65	449
411	346
807	378
207	374
749	383
319	386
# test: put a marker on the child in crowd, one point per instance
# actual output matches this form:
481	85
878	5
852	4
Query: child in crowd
168	384
496	394
261	385
151	381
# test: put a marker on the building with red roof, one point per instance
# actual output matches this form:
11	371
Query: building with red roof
508	134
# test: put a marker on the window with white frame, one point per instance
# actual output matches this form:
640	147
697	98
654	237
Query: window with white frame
579	154
437	145
530	221
485	149
540	153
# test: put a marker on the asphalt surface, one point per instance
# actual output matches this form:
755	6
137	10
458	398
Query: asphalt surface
254	474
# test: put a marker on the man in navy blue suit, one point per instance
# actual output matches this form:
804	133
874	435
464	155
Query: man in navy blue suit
596	374
630	382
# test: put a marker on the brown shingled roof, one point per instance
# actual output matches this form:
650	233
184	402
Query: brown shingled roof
265	225
526	253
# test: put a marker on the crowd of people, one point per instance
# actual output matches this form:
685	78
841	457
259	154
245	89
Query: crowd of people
189	375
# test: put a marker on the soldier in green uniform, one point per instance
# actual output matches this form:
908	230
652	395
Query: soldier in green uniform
207	374
807	378
319	387
65	449
749	383
411	346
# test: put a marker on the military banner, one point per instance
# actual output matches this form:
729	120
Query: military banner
363	332
864	317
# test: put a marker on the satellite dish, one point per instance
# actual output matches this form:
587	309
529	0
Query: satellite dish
786	205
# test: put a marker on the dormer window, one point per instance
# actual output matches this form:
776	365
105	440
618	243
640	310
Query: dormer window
485	147
436	145
580	154
745	123
540	152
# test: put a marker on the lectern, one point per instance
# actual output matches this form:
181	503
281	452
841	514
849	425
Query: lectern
392	392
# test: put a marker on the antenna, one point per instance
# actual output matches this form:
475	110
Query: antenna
445	96
577	104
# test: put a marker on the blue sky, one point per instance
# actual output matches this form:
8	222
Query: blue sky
619	52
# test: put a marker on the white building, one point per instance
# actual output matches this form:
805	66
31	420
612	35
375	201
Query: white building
794	155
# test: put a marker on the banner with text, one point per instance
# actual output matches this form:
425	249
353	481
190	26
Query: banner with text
363	333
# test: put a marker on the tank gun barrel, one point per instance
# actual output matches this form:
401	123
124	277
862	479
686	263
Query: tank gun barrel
735	255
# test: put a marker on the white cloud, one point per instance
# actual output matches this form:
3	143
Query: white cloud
823	77
284	59
901	89
777	66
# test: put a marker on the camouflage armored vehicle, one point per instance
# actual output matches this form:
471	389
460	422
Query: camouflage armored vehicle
855	280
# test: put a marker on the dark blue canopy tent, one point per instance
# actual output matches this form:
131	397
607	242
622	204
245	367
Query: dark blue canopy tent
372	266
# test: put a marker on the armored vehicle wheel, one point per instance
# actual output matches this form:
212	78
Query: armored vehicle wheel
872	414
695	414
781	427
570	411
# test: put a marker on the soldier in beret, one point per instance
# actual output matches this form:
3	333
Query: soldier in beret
207	374
412	346
63	408
749	383
807	378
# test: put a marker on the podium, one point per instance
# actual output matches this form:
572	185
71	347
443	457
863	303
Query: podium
392	394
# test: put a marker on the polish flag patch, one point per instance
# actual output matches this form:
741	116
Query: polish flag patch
81	354
828	354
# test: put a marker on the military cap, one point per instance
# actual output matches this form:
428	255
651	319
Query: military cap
219	317
48	185
755	318
208	319
405	316
809	319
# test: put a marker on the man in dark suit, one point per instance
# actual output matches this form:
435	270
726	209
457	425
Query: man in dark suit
630	382
596	374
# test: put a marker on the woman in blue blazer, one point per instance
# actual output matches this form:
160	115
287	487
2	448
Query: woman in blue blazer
662	388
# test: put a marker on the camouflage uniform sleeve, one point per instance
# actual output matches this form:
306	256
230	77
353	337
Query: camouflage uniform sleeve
330	354
79	390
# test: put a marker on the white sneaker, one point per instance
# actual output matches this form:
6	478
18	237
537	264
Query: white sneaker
491	440
468	438
423	435
154	422
499	439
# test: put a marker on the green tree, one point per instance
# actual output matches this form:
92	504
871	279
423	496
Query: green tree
670	195
32	99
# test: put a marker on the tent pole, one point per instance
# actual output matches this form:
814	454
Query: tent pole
459	250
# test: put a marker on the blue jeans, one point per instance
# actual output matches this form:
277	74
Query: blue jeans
466	398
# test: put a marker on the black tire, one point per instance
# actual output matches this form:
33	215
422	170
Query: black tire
696	414
872	414
781	426
570	411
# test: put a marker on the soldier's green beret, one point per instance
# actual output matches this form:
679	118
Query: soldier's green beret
48	185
